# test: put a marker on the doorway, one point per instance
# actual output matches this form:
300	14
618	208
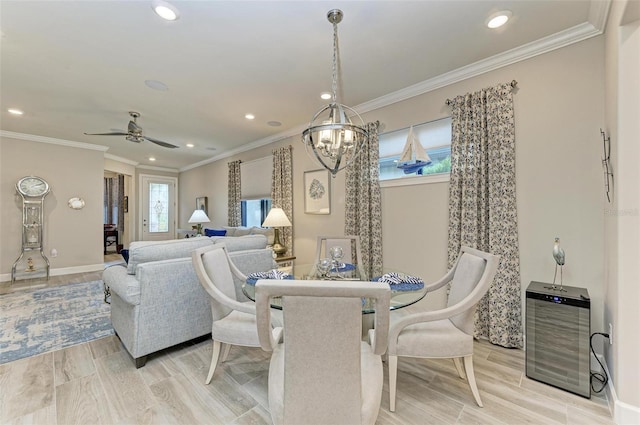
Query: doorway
113	212
158	207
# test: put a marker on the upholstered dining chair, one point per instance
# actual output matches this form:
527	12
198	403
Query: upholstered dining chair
445	333
234	322
350	248
321	372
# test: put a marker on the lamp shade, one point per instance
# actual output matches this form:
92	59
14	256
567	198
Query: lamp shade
198	217
276	218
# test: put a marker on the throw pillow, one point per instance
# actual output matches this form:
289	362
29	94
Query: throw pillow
214	232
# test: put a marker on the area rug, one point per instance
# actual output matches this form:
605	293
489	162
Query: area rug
49	319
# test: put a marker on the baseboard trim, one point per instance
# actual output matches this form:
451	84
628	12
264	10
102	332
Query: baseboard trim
623	413
6	277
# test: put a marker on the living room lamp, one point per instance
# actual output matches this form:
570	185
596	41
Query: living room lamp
277	218
332	139
198	217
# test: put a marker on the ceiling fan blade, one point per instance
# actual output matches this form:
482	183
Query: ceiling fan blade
106	134
160	142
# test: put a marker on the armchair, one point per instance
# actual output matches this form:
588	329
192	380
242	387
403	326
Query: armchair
446	333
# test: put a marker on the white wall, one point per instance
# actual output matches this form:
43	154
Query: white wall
71	172
558	110
622	225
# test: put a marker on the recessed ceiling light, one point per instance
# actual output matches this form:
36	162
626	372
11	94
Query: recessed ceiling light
165	10
325	96
250	116
151	158
15	111
498	19
156	85
274	123
190	145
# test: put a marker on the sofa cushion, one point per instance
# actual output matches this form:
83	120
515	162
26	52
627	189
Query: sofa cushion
231	231
215	232
241	243
145	251
269	233
242	231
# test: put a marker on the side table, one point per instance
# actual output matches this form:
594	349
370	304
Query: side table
285	262
188	233
284	258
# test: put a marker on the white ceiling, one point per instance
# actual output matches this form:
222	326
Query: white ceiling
80	66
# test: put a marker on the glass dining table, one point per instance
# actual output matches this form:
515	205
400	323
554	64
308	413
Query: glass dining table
401	295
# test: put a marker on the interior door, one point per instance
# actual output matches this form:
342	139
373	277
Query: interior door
158	208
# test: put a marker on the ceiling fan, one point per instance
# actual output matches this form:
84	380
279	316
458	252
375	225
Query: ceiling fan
134	133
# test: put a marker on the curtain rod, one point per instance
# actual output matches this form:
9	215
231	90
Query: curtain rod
256	159
413	125
513	84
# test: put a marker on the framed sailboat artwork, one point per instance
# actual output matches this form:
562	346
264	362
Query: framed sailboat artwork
413	157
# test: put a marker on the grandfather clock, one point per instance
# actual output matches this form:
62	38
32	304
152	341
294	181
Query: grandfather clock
32	262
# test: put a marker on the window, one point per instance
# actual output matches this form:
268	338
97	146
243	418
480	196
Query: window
256	190
158	207
435	138
254	211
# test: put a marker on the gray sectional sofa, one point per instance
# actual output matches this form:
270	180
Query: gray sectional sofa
157	300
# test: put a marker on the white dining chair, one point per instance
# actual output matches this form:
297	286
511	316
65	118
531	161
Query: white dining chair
321	372
350	247
234	322
445	333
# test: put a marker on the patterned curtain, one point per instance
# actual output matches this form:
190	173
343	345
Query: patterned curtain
482	204
114	201
120	204
282	191
234	212
110	197
363	206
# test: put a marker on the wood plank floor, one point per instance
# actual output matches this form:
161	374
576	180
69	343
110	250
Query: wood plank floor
97	383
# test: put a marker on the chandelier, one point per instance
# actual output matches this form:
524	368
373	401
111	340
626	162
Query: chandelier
332	139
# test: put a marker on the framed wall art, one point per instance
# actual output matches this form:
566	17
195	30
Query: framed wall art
201	204
317	192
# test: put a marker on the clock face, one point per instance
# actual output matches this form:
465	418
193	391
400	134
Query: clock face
32	186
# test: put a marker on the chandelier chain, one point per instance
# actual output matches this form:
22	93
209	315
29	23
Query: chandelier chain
334	85
332	139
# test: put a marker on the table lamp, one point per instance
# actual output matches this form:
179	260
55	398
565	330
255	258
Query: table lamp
277	218
198	217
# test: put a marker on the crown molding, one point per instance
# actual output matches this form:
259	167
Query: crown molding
544	45
80	145
154	168
598	13
120	159
244	148
52	141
